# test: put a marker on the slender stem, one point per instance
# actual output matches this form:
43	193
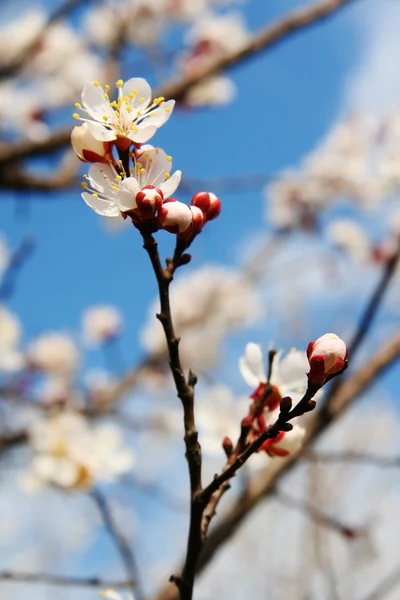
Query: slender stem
185	391
120	541
60	580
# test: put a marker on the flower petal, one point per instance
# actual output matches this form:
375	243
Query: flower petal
170	185
141	89
100	176
126	196
100	132
106	208
293	369
159	115
144	133
95	103
251	365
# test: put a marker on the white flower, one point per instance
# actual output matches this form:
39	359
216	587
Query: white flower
132	118
69	454
288	374
109	193
219	414
55	353
10	332
349	236
326	356
112	595
212	91
101	324
286	443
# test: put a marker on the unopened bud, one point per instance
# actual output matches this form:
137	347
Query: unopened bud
87	148
149	200
227	445
326	356
175	216
198	218
208	203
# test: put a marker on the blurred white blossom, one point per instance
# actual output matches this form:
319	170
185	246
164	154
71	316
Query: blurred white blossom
55	353
70	454
11	358
101	324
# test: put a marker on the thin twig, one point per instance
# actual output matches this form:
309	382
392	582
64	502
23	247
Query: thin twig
350	456
317	515
185	391
61	580
120	541
17	261
264	485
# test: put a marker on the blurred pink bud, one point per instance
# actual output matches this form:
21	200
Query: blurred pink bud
285	443
326	356
87	148
208	203
198	218
149	200
227	445
175	216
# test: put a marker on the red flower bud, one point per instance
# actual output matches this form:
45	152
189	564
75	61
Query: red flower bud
208	203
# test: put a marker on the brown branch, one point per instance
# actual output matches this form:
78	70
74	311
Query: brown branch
18	62
17	261
185	392
49	579
282	29
265	484
317	515
121	543
356	457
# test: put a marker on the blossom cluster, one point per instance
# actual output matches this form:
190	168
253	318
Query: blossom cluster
359	162
143	191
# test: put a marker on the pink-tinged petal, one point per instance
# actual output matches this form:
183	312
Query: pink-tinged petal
126	196
159	115
101	175
143	134
155	163
251	365
170	185
95	103
101	132
141	89
102	207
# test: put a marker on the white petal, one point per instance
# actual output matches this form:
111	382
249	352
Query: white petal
170	185
126	196
251	365
101	132
293	369
94	102
161	114
144	134
156	164
106	208
96	175
143	91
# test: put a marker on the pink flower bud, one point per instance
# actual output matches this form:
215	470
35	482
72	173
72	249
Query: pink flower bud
198	218
326	356
87	148
175	216
285	443
208	203
149	200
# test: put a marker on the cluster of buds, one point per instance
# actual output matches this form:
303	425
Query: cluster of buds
136	182
276	393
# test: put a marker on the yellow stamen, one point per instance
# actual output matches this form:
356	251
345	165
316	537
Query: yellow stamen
95	196
119	83
84	184
105	118
77	105
107	87
96	83
167	175
142	171
75	116
169	158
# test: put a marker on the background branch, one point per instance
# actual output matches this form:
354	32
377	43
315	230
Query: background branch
60	580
